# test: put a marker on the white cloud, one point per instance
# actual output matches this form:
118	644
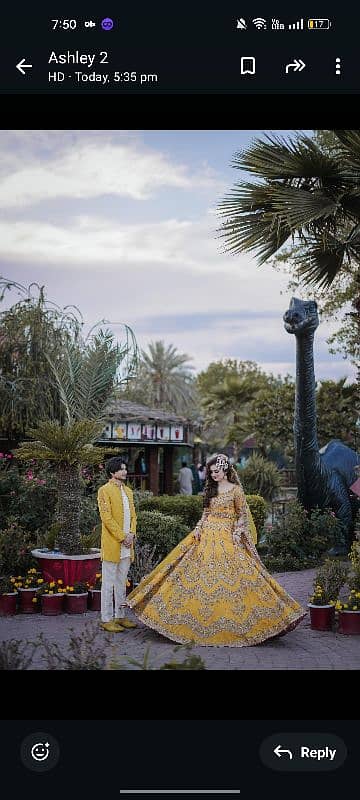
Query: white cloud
90	168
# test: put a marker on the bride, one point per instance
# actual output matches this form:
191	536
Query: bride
213	589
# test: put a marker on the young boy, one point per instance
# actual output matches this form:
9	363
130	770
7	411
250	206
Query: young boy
118	516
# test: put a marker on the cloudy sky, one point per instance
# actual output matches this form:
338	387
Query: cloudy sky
122	224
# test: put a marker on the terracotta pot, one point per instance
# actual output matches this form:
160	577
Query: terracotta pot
95	599
349	622
322	618
76	603
26	601
8	603
52	604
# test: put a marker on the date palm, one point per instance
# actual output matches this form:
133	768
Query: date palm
300	191
85	380
168	375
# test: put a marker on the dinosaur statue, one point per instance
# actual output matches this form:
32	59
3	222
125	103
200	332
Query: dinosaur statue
323	477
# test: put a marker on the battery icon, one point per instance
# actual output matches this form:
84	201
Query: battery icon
319	24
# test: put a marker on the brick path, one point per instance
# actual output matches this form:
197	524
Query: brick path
303	648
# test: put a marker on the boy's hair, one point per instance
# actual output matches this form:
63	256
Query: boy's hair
113	464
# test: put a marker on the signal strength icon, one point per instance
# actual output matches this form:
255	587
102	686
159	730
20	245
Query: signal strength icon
259	23
297	26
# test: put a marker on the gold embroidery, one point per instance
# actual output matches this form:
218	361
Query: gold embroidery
216	592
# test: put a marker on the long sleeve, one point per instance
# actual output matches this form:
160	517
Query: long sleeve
243	523
133	520
106	516
199	526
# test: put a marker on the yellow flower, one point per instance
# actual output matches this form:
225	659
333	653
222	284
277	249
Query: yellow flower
355	608
31	571
52	584
40	580
34	600
346	605
98	575
13	580
60	582
51	592
71	588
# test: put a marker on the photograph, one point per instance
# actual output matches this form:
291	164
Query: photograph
179	399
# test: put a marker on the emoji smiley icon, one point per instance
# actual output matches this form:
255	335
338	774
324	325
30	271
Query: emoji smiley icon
40	751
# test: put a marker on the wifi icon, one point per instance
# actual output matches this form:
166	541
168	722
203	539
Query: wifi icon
259	23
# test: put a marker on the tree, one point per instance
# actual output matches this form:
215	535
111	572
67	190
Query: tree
226	390
39	344
85	379
272	417
303	192
164	379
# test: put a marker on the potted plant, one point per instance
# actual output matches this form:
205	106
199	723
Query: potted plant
76	598
349	614
86	380
349	611
8	595
52	597
28	588
329	579
95	593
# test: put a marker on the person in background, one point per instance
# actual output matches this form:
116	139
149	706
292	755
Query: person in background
202	474
185	478
196	481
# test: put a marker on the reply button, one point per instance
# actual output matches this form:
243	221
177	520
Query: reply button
303	752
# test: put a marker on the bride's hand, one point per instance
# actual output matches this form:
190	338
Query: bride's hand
236	538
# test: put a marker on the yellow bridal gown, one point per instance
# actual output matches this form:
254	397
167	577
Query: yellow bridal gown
214	592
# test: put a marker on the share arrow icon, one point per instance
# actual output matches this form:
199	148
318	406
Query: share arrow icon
297	65
21	66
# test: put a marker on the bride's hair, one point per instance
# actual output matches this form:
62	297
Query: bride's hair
211	487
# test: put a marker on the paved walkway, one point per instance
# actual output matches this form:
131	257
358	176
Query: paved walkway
303	648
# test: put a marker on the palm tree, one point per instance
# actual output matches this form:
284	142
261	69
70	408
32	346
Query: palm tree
168	374
305	192
232	400
86	381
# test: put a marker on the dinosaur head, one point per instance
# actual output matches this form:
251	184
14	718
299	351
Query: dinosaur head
301	316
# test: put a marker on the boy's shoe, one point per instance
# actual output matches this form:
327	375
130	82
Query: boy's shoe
111	627
126	623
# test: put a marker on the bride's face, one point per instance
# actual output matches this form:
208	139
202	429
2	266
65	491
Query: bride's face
217	473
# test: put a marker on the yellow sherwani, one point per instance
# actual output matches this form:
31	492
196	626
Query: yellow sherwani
112	517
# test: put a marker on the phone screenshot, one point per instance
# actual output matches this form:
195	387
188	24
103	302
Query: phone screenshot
224	758
195	49
179	410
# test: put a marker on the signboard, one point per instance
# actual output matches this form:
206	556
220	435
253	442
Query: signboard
134	430
177	433
119	430
148	432
163	433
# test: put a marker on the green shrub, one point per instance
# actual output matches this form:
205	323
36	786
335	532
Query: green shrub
328	581
188	507
161	531
144	562
298	540
29	494
260	476
15	546
140	497
257	507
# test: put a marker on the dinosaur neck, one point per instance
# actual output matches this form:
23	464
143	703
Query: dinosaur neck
305	404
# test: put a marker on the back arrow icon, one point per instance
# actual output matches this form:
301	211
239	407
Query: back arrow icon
297	65
278	751
21	66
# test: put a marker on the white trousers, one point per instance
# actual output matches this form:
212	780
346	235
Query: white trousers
113	588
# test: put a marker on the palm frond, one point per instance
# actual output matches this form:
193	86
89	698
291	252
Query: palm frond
286	159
